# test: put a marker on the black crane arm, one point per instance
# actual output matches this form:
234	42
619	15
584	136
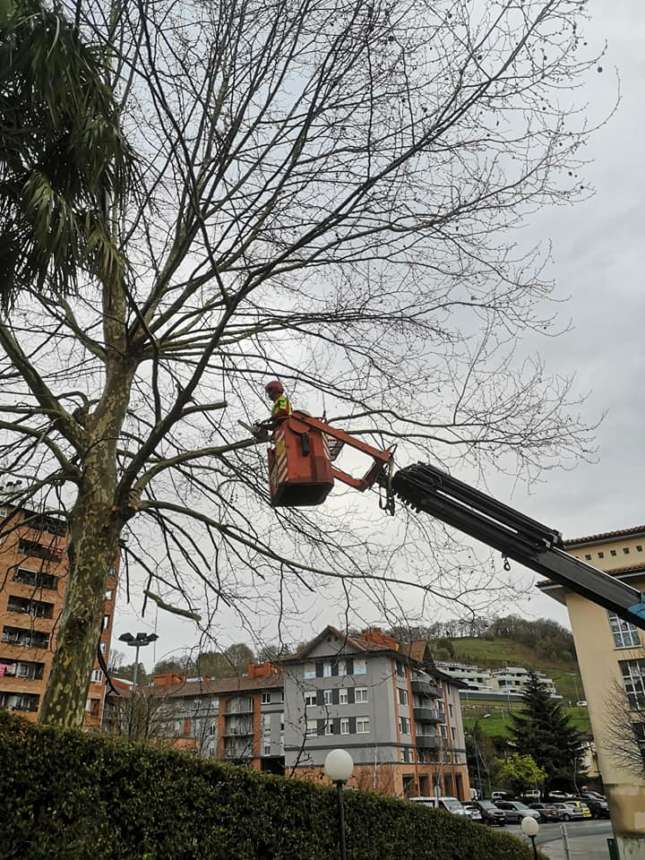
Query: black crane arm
426	488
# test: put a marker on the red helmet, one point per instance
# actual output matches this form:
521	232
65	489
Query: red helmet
274	387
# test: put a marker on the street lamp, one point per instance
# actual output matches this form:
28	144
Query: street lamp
531	828
338	767
136	642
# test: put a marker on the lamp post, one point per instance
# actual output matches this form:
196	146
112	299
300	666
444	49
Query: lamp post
338	767
531	828
136	642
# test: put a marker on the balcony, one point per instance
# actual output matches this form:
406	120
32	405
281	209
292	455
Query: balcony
428	742
238	732
425	687
427	715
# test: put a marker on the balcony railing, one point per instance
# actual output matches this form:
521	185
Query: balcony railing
425	687
428	715
428	742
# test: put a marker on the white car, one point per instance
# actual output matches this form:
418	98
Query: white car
448	804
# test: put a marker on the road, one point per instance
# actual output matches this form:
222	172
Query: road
587	839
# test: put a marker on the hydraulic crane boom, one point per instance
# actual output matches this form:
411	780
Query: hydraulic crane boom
516	536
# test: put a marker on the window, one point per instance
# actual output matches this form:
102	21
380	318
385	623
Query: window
39	550
403	697
451	711
97	676
310	670
588	556
360	667
400	669
106	622
266	698
327	697
634	680
342	667
443	731
108	594
266	724
601	555
26	638
639	547
36	608
312	728
342	697
36	578
266	749
280	695
626	550
329	727
212	729
406	755
327	669
362	725
344	726
453	733
360	695
625	634
310	698
612	552
404	725
282	721
103	646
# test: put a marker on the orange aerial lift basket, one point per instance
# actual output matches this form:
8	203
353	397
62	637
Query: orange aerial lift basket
301	470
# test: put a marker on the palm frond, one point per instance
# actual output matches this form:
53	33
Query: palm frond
63	155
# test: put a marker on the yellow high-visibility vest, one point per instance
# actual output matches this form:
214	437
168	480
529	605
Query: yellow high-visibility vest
281	406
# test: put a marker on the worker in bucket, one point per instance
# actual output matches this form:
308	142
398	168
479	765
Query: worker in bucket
281	405
281	408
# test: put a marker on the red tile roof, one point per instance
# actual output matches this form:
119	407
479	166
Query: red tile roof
634	530
214	686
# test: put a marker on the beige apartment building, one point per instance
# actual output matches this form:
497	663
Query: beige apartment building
611	655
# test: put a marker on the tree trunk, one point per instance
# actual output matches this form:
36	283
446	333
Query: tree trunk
92	552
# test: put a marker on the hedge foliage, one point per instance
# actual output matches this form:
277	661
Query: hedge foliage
71	795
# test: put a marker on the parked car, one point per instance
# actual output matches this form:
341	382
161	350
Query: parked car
548	811
579	804
490	813
501	795
560	796
473	812
515	811
448	804
530	797
598	807
568	813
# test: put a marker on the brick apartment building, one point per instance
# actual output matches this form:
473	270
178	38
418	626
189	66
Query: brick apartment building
383	701
33	577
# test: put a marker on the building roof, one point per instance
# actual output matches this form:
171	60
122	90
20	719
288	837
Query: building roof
606	536
626	572
200	686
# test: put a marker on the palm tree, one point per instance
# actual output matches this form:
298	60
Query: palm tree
63	158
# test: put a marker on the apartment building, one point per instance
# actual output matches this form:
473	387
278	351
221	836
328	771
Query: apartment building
385	703
33	576
611	656
239	720
507	681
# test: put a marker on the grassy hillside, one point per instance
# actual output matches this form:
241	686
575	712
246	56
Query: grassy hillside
495	653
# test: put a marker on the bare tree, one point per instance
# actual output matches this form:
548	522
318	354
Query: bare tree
326	193
624	730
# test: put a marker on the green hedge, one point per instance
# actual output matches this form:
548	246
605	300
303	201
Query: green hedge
71	795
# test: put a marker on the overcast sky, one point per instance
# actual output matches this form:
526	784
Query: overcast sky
597	263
